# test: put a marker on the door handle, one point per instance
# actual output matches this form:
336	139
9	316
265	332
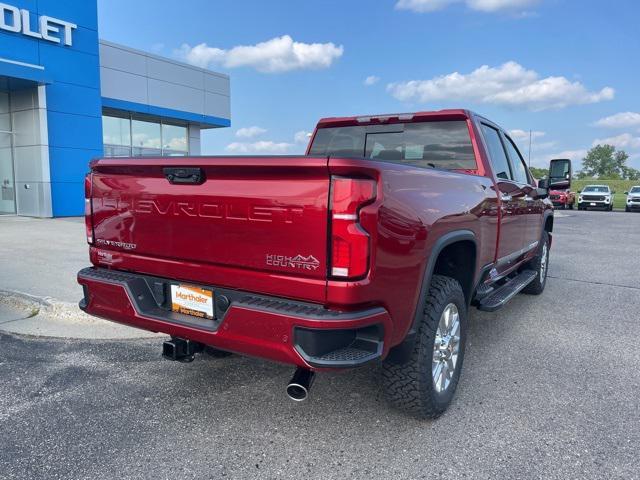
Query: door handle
506	198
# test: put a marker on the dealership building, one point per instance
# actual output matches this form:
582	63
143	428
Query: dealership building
67	97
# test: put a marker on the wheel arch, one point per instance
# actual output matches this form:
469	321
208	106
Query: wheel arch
459	245
548	222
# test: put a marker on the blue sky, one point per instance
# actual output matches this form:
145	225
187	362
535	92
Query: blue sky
568	70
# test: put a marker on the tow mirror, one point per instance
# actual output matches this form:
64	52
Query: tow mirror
543	188
626	193
560	174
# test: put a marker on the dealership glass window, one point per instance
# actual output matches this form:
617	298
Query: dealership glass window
116	136
174	140
126	136
146	139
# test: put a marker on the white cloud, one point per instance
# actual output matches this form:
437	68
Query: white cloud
424	6
543	145
280	54
250	132
302	136
519	135
495	5
509	84
620	120
624	140
371	80
261	147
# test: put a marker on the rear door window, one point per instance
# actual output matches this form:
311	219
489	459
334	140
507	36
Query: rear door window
445	145
497	154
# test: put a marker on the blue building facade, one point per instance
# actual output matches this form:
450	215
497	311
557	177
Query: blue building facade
67	97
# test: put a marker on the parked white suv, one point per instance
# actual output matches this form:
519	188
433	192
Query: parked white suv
633	199
596	196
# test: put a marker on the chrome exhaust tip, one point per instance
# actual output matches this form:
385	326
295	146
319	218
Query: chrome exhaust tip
300	385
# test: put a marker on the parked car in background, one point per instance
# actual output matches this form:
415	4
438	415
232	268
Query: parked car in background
633	199
596	196
562	199
560	174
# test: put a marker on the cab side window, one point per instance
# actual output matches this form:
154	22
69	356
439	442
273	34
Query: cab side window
497	155
517	162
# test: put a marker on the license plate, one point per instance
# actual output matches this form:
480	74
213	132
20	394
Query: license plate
592	204
190	300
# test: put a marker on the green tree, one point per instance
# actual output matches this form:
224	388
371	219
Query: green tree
603	161
631	173
539	172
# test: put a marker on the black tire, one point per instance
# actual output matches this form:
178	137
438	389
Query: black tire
410	386
536	287
564	206
571	206
627	209
215	353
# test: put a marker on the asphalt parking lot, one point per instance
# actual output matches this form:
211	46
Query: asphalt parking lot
550	389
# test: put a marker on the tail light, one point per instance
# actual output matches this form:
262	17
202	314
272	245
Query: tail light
349	241
88	213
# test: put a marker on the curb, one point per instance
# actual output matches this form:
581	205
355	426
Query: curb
48	317
41	305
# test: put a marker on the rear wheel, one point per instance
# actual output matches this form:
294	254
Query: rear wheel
424	384
540	265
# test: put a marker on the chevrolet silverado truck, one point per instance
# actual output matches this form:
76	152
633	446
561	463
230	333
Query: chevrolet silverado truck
370	247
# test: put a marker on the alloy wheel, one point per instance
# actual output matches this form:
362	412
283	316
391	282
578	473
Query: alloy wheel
543	263
446	348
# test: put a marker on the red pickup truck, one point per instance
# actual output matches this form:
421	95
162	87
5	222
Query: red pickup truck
371	247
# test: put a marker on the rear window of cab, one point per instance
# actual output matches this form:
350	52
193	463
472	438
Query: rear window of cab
446	144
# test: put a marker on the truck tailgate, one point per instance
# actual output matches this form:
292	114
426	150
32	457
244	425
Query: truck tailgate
266	214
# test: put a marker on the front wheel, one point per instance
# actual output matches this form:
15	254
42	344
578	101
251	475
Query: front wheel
425	383
540	265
